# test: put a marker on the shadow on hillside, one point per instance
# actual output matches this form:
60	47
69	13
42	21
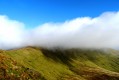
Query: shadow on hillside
59	55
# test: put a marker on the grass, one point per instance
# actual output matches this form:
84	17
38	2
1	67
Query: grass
11	70
73	64
34	59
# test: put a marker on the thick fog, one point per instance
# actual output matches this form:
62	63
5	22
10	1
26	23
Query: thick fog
81	32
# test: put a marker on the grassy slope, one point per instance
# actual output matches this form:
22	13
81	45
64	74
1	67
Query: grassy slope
106	59
69	64
11	70
34	59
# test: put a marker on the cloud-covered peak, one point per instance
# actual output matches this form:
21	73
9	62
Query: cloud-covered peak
82	32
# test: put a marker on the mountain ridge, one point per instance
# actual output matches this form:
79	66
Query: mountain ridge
70	64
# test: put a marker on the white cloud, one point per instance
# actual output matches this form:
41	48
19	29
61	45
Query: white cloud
11	33
84	32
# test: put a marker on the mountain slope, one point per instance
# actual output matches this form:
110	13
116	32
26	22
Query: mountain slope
35	59
72	64
11	70
108	59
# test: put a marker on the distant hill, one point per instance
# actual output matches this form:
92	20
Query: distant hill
59	64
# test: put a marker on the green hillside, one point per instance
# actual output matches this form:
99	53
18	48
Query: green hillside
11	70
72	64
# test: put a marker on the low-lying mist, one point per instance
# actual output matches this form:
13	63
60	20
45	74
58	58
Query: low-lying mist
82	32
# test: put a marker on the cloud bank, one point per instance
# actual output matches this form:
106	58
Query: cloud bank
82	32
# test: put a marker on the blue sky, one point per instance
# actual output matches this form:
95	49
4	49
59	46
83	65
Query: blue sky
36	12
